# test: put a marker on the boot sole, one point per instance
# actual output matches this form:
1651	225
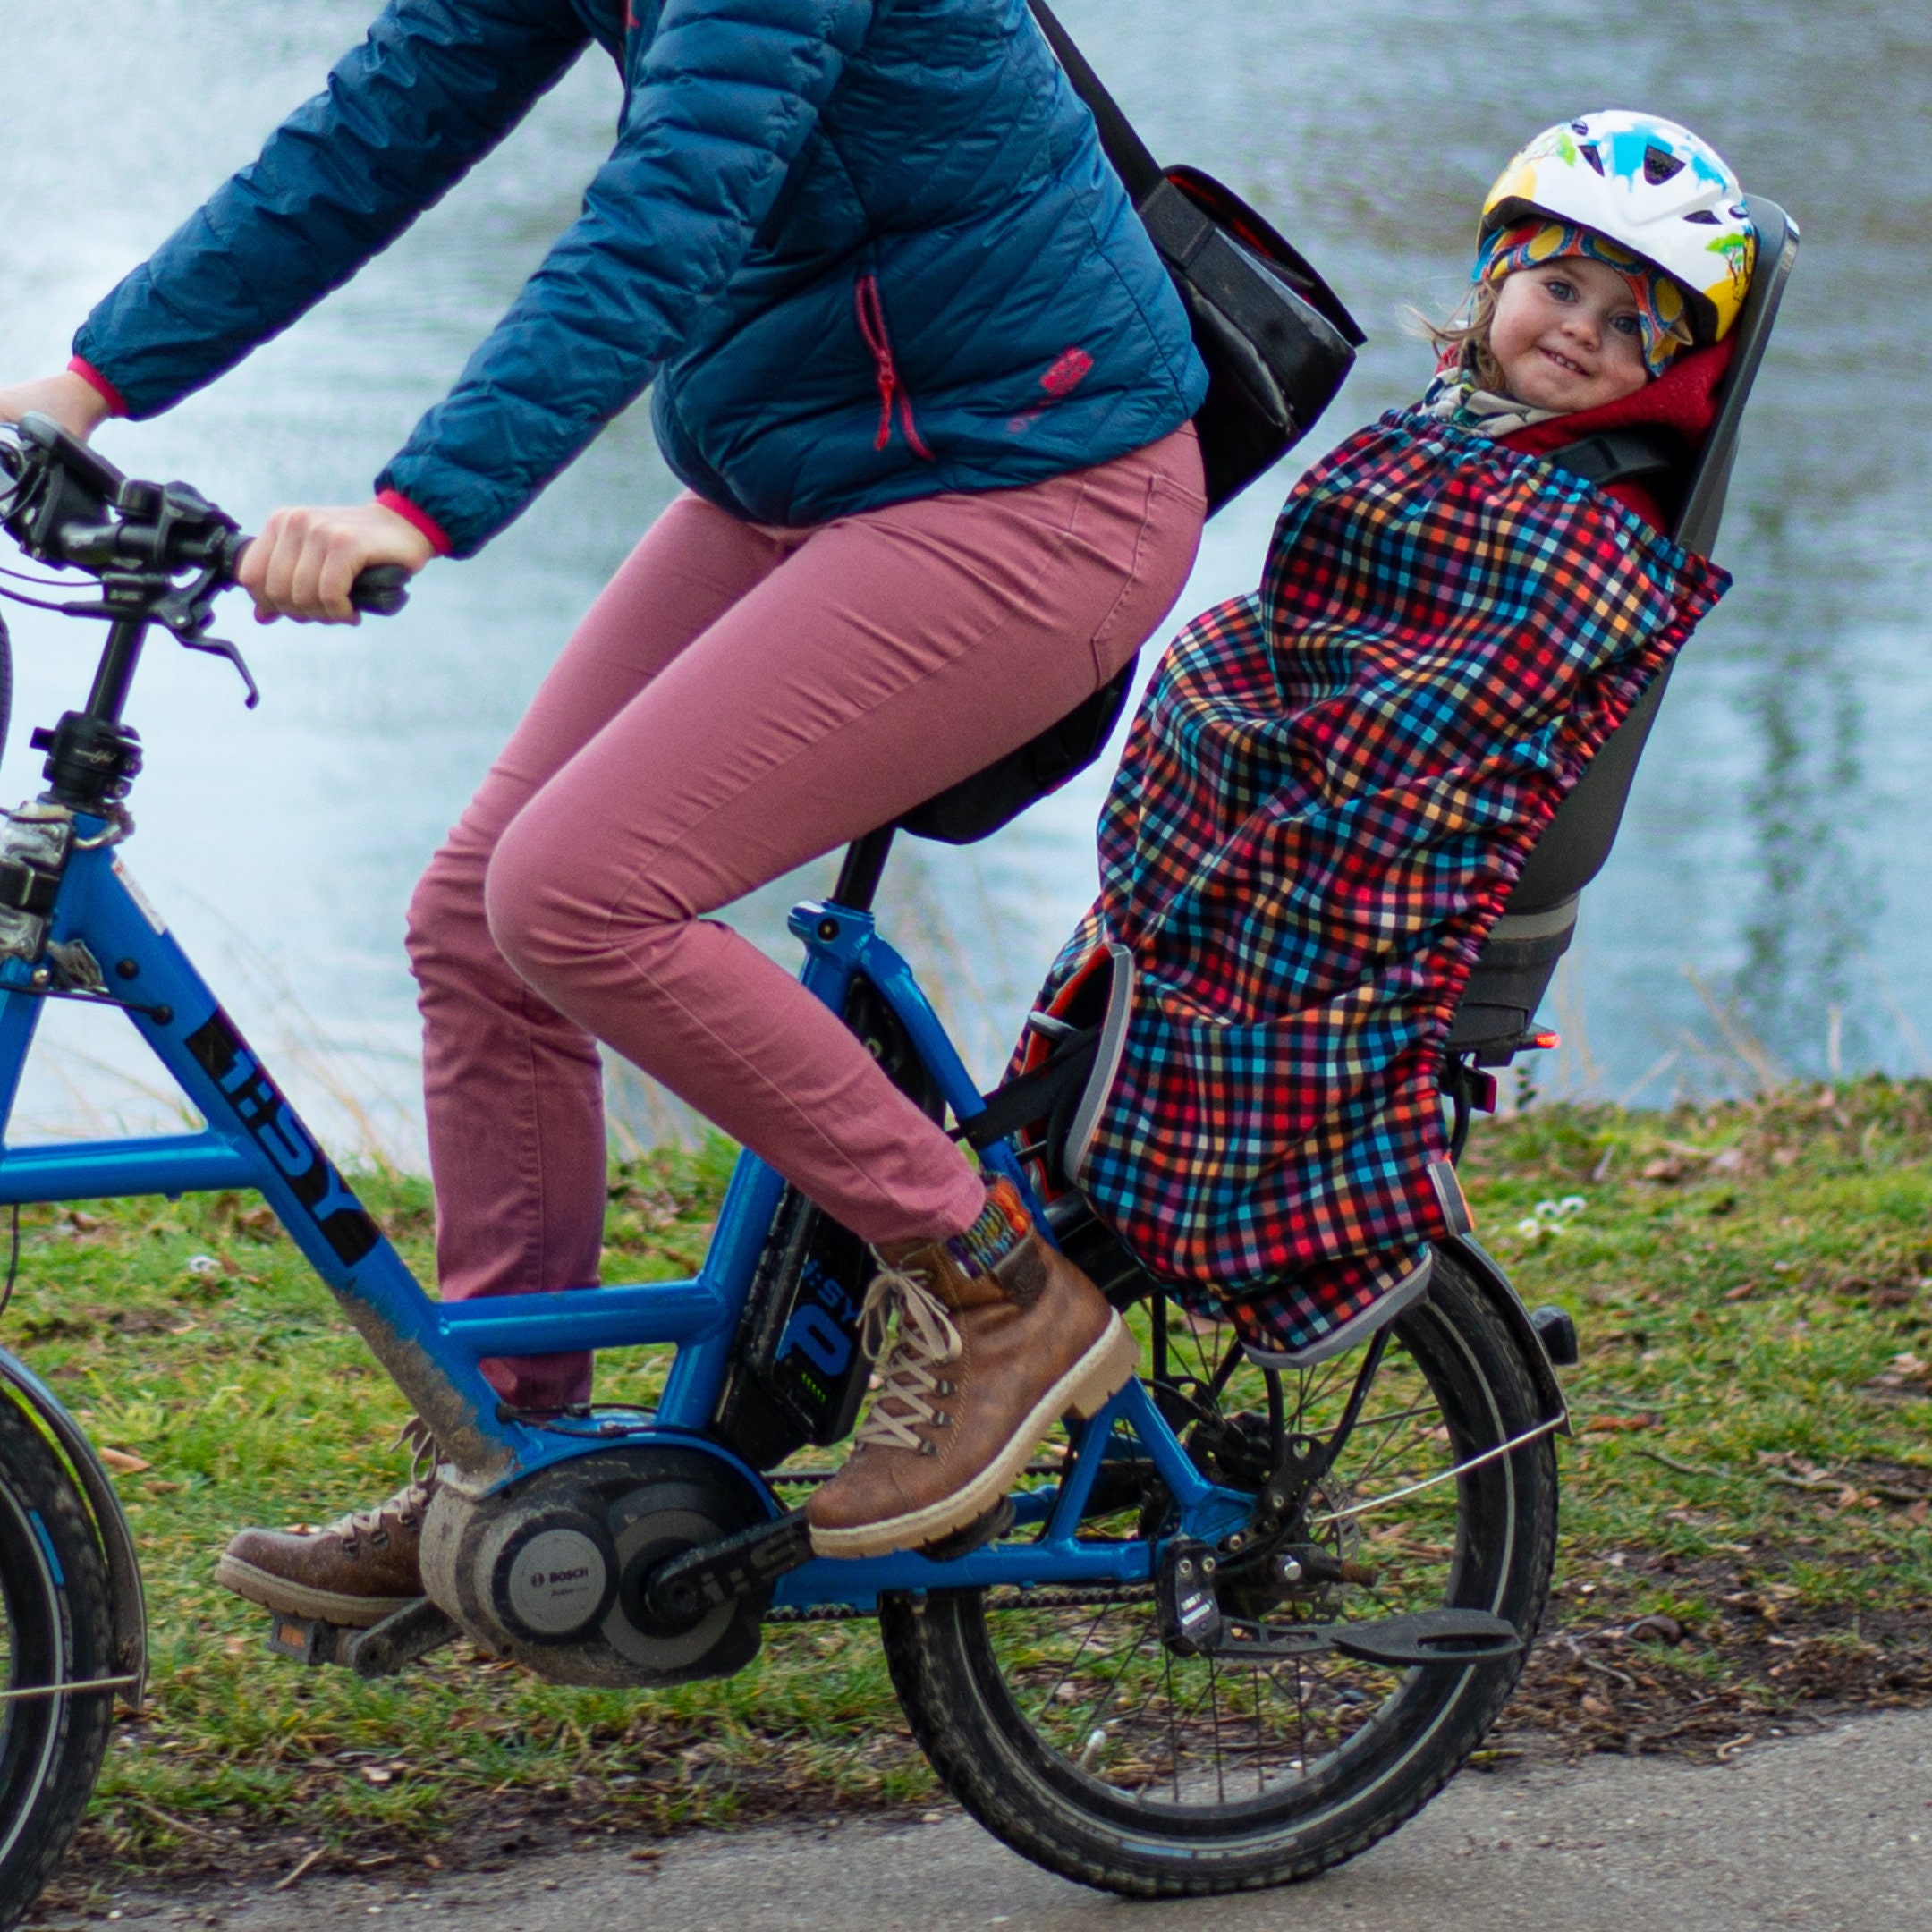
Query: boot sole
296	1599
1084	1390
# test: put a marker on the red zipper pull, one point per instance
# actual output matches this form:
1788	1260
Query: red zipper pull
871	313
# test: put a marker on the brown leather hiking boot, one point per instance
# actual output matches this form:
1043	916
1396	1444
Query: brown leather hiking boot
355	1571
998	1337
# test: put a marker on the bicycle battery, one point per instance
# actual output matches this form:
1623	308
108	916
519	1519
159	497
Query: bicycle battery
799	1372
801	1367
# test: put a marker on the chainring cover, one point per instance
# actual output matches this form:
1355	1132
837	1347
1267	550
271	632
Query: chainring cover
553	1570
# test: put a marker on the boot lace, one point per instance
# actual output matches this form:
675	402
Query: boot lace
404	1508
924	1340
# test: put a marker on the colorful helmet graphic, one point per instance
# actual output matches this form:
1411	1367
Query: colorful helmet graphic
1653	186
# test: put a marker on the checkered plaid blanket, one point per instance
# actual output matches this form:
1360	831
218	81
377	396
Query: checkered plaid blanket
1325	797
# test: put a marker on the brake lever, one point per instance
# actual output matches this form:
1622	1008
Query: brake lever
215	647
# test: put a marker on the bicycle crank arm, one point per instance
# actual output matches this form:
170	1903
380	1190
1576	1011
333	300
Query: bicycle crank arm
683	1589
1429	1637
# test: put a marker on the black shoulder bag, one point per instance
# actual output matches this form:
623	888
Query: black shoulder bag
1277	344
1274	336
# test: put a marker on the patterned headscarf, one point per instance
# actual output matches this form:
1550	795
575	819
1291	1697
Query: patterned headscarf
1662	313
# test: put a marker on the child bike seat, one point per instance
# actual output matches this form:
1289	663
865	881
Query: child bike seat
1517	963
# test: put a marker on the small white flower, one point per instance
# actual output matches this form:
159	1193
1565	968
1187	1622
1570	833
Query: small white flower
1530	1229
203	1264
1547	1210
1572	1204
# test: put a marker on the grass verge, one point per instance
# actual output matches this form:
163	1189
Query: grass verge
1745	1499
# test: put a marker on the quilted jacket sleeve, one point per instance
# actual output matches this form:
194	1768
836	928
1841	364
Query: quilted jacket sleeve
728	93
436	85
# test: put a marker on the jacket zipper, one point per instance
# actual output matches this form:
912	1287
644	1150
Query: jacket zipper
871	313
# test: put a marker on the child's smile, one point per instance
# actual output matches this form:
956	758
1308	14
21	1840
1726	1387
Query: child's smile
1566	335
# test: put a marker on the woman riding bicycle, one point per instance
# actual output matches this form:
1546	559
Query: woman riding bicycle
930	390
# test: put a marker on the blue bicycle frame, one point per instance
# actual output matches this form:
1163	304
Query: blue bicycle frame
101	927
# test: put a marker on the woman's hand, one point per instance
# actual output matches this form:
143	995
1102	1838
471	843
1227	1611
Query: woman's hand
304	562
74	402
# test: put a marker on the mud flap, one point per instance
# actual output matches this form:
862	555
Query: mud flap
1486	1272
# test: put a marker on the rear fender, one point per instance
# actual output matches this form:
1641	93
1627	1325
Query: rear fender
1486	1272
127	1608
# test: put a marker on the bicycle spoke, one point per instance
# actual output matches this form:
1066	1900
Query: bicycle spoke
1214	1698
1192	1733
1079	1650
1254	1672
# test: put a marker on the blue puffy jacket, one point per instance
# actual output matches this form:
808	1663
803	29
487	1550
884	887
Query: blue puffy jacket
869	250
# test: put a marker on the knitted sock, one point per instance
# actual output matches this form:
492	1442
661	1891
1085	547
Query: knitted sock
1002	1225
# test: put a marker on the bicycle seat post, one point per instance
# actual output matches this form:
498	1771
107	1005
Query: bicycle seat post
864	865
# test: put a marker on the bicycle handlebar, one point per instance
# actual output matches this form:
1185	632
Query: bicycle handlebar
67	504
381	590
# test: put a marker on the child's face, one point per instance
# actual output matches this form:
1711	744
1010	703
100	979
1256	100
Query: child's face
1566	335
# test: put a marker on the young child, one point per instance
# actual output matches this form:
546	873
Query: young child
1332	783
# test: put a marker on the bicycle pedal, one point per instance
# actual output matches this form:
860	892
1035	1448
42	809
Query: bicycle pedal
981	1531
308	1639
400	1637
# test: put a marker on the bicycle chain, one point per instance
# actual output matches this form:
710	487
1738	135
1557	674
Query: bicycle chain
1037	1599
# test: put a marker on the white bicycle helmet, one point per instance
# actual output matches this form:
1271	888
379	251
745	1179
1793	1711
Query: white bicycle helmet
1649	184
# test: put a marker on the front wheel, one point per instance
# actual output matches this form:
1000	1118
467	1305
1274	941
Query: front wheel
54	1630
1073	1733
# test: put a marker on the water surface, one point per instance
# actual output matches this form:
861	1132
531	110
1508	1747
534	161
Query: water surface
1768	894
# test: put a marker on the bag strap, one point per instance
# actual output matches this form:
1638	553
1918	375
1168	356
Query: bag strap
1180	230
1132	160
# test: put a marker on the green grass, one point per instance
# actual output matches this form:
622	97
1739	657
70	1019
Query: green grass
1753	1287
1749	1284
254	1402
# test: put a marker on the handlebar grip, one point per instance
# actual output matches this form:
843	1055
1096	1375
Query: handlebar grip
381	590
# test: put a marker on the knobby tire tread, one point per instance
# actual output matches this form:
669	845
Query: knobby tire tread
926	1650
33	1475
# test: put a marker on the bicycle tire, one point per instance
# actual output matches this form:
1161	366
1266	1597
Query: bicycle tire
965	1701
53	1599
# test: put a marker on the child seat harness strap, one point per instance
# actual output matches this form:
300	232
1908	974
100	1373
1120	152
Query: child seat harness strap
1617	455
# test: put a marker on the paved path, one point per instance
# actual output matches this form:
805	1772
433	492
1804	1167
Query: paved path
1831	1832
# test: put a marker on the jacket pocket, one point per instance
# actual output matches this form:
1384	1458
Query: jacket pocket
871	313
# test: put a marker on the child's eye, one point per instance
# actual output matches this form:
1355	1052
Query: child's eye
1627	325
1561	290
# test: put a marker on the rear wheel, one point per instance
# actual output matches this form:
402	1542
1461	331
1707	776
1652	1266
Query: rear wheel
53	1630
1075	1733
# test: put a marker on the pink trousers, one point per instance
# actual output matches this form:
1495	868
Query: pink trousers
742	698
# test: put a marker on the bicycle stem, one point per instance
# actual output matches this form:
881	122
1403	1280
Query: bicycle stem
114	677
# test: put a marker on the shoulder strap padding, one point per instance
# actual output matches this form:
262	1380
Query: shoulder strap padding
1616	455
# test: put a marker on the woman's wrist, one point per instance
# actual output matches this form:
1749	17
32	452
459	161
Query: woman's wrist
91	378
78	405
417	518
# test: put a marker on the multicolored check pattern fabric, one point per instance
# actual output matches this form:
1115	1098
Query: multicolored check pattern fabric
1325	797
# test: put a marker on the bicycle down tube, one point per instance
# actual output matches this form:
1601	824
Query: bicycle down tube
113	948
